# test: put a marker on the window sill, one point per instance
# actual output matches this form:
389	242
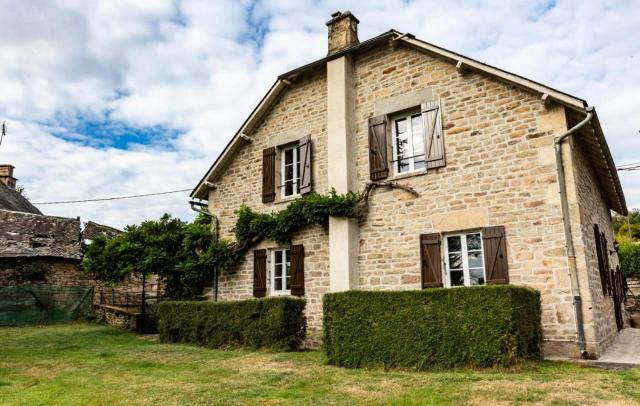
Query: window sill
408	175
287	199
283	293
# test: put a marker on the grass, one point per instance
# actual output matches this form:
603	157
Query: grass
83	364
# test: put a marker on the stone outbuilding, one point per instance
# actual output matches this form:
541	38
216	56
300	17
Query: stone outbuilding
515	184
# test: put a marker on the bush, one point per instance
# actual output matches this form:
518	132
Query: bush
629	255
475	326
274	323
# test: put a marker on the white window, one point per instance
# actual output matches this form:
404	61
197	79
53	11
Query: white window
408	143
281	272
464	259
290	161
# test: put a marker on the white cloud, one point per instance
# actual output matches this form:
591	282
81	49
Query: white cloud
194	66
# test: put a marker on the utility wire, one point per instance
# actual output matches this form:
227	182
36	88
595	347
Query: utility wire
115	198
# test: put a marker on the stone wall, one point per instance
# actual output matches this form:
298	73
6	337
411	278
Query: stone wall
300	110
589	207
500	171
67	272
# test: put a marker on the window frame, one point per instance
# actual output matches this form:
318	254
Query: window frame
296	171
407	115
466	278
272	269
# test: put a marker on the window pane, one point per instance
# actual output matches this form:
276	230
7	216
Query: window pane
278	257
418	162
476	276
473	242
401	126
455	261
287	283
278	284
475	259
288	156
277	270
288	256
454	243
457	278
418	136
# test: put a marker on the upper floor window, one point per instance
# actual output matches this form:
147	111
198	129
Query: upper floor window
464	259
290	171
408	143
281	272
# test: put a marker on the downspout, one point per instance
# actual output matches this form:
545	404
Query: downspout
566	221
214	231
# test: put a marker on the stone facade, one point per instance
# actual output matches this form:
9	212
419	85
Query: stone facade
500	170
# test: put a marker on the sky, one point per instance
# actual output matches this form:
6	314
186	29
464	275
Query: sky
114	98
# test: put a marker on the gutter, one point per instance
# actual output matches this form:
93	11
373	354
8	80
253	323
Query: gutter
566	221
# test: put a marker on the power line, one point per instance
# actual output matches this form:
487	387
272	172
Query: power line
115	198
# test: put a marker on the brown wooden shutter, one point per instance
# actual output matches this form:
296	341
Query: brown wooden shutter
605	255
434	136
259	273
602	269
297	270
304	150
495	255
378	162
430	260
268	175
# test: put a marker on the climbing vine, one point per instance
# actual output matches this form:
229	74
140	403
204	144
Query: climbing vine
185	255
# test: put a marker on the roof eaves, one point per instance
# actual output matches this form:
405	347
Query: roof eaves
597	128
561	97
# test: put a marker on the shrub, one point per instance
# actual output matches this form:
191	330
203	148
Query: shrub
274	323
475	326
629	255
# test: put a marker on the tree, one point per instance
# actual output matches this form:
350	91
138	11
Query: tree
627	228
174	250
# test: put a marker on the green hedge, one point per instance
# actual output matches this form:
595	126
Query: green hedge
475	326
274	323
629	255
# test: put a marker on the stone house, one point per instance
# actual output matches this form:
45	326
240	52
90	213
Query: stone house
496	203
41	249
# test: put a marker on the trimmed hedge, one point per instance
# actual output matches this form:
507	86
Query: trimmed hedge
274	323
474	326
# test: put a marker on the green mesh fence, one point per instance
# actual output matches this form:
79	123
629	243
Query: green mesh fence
32	304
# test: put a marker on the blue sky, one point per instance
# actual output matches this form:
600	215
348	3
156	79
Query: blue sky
116	97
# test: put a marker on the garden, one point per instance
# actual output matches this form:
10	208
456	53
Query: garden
80	364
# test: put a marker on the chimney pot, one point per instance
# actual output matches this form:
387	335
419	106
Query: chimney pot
6	176
343	31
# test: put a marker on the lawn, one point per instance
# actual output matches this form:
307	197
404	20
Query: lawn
95	365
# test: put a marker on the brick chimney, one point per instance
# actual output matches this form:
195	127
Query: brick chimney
343	31
6	176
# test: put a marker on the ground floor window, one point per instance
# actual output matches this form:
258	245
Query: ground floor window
464	259
281	272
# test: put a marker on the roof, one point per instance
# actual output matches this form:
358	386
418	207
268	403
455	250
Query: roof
35	235
576	106
10	199
93	230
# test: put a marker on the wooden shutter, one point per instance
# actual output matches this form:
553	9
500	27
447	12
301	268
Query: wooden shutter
297	270
434	136
259	273
494	245
378	162
430	260
601	265
304	151
607	267
268	175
